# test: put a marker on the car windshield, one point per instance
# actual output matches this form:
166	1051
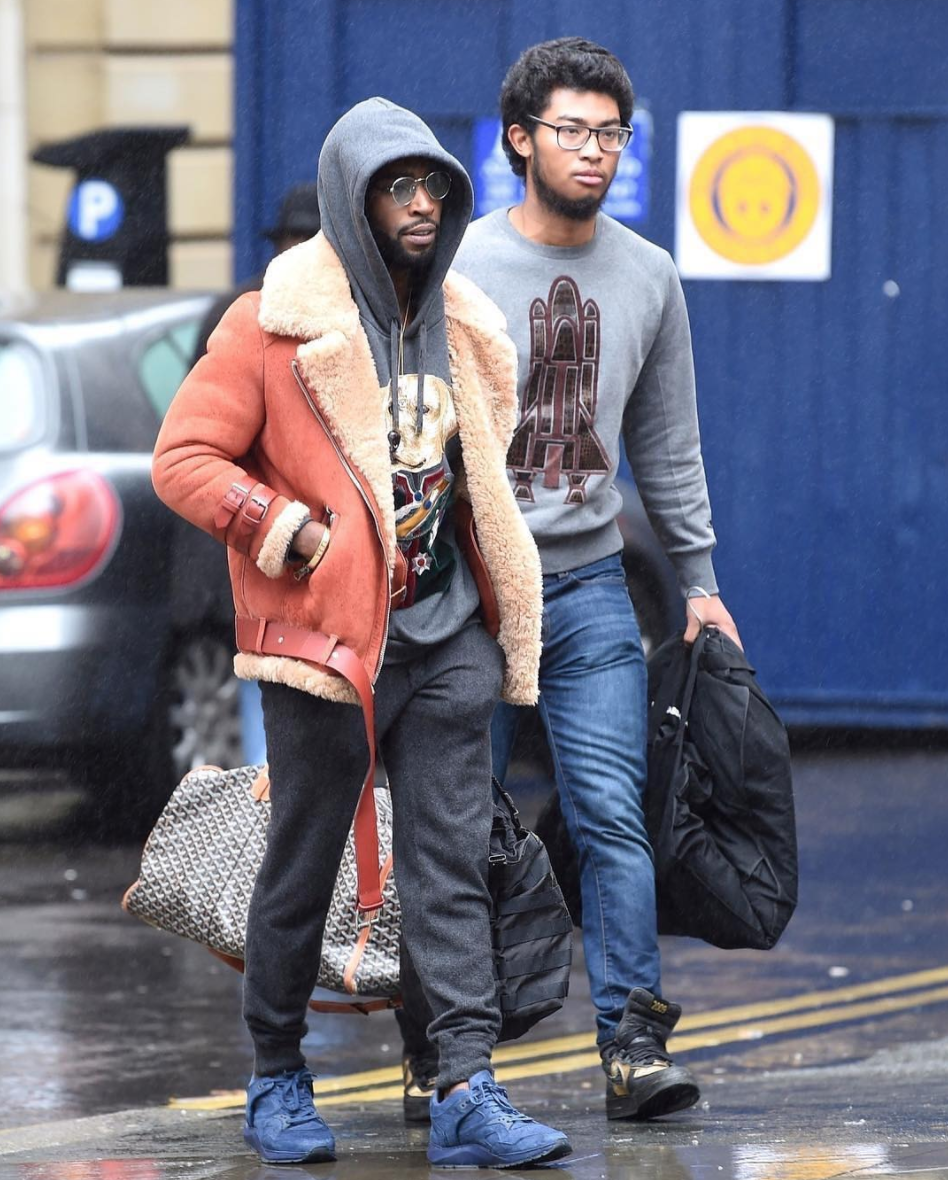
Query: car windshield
22	396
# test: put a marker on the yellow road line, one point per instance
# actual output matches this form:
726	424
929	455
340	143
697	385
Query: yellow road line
576	1053
747	1032
743	1012
836	995
837	1015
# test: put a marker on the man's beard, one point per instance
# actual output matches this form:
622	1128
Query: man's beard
576	209
396	257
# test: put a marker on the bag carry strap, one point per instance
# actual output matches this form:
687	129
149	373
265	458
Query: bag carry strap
260	637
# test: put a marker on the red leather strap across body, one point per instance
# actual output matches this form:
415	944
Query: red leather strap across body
260	637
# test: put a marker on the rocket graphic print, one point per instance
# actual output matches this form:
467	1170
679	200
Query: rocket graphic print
556	438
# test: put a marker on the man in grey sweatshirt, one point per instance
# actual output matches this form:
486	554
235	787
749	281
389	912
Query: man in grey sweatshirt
599	320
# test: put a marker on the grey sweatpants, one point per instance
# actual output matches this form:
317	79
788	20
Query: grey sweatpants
432	719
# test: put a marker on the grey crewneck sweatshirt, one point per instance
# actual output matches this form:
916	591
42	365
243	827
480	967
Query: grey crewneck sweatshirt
604	351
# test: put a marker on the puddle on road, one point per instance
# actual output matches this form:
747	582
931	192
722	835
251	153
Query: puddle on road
918	1161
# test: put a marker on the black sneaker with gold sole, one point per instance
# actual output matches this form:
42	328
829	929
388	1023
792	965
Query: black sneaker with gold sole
642	1081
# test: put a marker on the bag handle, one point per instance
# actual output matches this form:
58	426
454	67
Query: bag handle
696	649
260	637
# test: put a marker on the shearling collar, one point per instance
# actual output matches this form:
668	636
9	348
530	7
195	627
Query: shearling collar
306	295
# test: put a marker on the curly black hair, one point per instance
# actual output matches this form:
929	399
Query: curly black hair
572	63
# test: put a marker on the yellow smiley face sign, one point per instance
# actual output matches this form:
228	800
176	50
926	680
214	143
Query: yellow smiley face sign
754	195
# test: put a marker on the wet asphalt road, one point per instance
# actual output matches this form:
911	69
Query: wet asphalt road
123	1049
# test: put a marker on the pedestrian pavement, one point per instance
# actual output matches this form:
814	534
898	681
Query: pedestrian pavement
124	1053
782	1125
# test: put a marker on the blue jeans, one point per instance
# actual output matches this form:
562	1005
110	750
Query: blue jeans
593	701
251	723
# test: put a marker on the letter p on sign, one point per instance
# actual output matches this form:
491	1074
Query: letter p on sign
96	210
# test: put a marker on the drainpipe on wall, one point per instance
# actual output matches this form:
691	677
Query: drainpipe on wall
13	192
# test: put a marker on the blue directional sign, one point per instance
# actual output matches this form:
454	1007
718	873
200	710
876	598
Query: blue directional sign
496	187
628	198
96	210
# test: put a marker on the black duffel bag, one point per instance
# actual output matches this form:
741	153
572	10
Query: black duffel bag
531	929
718	804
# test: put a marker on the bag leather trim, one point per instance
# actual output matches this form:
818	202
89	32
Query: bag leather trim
260	637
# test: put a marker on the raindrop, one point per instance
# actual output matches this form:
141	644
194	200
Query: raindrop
78	894
838	972
70	874
908	905
891	288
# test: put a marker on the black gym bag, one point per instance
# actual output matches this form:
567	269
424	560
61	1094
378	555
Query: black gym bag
531	930
718	804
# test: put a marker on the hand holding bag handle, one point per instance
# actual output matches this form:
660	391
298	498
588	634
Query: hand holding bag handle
260	637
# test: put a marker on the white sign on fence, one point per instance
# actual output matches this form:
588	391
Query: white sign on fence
754	195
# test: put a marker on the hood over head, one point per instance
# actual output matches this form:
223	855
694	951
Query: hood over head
369	136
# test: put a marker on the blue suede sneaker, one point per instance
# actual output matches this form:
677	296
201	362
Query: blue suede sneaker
479	1128
282	1124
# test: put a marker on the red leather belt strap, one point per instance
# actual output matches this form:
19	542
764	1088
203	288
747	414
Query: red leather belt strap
232	503
259	637
254	509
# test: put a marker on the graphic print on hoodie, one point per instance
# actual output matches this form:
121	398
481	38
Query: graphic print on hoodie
423	478
441	594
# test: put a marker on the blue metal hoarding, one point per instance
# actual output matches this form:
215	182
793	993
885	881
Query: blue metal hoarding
824	406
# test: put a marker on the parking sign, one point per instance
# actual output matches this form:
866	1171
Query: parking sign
96	210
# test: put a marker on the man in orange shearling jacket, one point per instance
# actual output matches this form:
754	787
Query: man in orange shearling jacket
345	437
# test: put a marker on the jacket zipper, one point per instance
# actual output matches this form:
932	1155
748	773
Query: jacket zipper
352	475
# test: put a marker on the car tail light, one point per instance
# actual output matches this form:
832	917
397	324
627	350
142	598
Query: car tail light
57	531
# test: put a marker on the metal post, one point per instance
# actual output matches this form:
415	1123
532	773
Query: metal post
13	199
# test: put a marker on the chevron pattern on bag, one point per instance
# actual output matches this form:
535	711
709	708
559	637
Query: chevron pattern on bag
202	858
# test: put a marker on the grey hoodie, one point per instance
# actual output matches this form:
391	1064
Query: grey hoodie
368	137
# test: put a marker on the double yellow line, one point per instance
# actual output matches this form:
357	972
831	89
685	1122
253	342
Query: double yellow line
703	1030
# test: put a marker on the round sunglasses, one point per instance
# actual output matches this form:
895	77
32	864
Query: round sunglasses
437	186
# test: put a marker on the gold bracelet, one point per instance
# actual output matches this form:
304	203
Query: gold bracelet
317	557
320	550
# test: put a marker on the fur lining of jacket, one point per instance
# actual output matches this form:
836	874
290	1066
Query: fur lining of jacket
306	296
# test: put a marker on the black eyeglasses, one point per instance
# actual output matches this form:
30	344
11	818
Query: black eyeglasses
573	136
437	185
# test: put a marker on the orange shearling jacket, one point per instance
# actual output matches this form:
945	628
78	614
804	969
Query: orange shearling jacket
283	420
